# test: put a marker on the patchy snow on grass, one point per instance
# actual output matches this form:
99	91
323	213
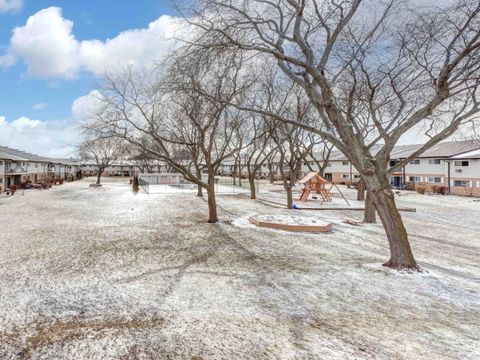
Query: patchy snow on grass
104	273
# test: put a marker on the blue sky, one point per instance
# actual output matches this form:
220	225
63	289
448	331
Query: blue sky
42	73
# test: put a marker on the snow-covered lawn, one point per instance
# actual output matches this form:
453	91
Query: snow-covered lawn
102	273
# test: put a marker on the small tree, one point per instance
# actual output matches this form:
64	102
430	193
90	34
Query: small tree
293	143
168	115
256	153
105	151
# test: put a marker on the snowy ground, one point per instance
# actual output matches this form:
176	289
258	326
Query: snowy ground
101	273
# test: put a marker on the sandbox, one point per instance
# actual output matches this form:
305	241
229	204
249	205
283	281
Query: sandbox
291	223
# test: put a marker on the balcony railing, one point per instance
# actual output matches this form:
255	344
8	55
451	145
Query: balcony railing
16	170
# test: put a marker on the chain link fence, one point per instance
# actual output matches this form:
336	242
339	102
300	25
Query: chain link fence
170	183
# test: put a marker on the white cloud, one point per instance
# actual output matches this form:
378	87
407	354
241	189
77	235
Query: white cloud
47	138
46	45
7	60
40	106
10	5
84	106
50	50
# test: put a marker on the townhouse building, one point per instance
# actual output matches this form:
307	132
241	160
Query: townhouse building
118	168
452	165
17	166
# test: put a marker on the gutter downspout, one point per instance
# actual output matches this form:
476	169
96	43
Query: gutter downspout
4	178
449	190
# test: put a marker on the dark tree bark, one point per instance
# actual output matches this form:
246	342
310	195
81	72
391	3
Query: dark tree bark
239	176
401	256
234	173
199	187
361	190
212	203
271	175
253	190
289	197
99	175
369	214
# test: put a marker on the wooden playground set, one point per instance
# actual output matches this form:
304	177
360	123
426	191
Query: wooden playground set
315	182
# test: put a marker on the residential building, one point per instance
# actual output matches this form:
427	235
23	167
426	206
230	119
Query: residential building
455	166
17	166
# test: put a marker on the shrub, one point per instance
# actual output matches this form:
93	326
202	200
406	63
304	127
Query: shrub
410	186
421	189
468	191
443	190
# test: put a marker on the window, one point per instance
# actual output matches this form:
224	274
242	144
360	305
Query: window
434	161
1	162
36	165
345	176
462	163
414	178
393	162
463	183
344	162
356	176
435	179
415	162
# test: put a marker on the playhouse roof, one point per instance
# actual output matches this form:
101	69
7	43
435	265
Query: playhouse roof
310	176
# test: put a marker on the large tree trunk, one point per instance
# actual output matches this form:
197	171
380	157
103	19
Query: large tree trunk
212	203
289	197
239	175
271	175
234	173
199	187
361	190
369	214
99	175
253	192
401	256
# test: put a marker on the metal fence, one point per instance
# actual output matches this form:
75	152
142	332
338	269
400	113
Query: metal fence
169	183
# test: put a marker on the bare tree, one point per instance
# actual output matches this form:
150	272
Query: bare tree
373	70
257	151
105	151
166	114
293	143
271	164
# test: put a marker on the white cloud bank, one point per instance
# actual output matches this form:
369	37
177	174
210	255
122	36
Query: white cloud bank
47	45
7	6
47	138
